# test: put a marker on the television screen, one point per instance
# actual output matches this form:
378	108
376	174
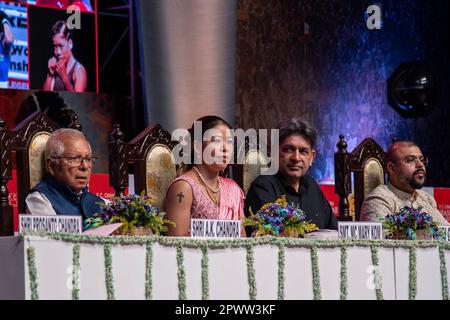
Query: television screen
63	48
49	45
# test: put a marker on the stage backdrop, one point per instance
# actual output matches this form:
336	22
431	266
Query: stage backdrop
318	60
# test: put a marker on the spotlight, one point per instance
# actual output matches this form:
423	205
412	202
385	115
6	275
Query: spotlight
412	89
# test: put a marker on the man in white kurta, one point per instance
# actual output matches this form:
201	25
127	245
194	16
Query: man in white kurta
406	167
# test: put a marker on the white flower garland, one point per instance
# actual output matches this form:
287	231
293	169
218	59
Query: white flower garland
443	268
32	273
315	274
148	270
344	281
376	264
251	272
76	272
412	273
108	272
205	275
181	273
281	267
248	244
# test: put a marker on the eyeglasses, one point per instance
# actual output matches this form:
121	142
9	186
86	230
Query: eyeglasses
76	161
413	160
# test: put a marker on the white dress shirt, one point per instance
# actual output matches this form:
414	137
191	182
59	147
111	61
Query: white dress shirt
387	199
38	204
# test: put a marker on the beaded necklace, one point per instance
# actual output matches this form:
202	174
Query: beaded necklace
213	194
200	176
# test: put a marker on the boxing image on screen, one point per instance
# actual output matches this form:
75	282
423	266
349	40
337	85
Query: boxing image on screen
62	56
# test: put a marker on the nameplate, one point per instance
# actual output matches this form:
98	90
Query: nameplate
446	232
53	224
360	230
202	228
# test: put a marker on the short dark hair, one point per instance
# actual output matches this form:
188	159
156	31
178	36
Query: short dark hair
394	147
61	27
296	126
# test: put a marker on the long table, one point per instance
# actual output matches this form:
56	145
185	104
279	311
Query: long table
82	267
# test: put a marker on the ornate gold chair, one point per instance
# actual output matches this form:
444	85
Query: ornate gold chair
255	162
367	163
150	155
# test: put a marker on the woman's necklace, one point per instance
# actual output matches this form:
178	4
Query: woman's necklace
199	175
214	196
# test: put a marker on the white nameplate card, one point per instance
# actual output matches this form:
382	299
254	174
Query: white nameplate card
53	224
446	232
203	228
360	230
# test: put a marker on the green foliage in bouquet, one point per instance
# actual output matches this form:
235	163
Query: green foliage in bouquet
280	218
134	212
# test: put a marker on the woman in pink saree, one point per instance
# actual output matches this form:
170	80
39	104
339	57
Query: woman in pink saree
200	193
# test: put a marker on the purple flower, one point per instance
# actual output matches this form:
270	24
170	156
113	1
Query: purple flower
401	219
420	220
410	220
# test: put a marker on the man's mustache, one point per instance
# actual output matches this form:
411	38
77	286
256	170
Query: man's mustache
419	170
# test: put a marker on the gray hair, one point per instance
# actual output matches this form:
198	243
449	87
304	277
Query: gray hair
55	144
296	126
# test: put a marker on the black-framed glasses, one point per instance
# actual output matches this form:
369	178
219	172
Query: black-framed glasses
413	160
78	160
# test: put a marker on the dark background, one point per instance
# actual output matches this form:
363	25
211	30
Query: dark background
335	75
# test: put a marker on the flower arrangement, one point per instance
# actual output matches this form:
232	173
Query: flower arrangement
410	223
280	218
137	214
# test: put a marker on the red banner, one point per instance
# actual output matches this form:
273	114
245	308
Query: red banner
442	197
333	198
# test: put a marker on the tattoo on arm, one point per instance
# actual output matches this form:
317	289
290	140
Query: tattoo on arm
180	197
